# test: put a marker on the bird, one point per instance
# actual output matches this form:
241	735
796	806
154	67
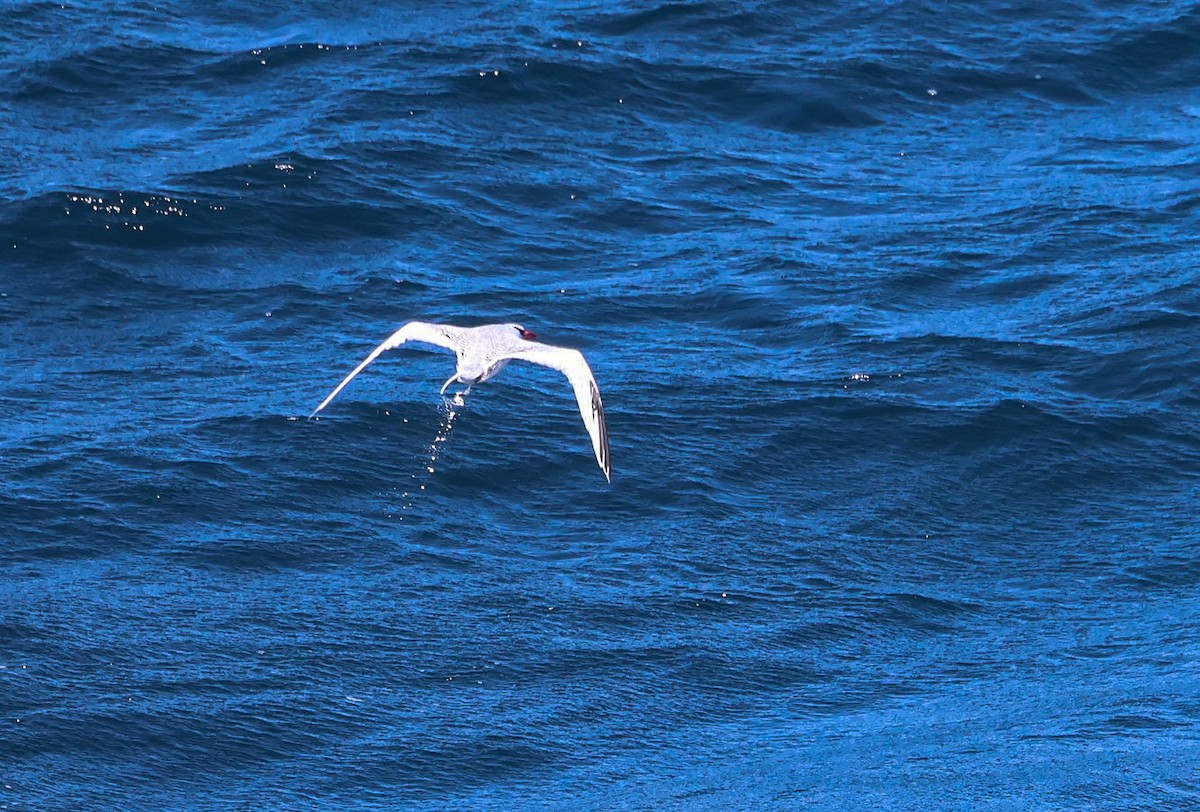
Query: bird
485	350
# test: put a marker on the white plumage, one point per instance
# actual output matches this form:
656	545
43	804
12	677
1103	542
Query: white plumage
483	351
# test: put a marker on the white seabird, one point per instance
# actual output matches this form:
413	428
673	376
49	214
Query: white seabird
484	351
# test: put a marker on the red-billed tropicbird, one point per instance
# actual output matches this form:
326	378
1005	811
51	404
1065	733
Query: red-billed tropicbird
484	351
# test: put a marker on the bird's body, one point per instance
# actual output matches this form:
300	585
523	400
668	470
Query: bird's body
483	351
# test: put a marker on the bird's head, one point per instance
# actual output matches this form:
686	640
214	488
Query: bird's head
528	335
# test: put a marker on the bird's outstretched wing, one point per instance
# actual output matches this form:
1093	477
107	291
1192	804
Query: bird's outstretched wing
442	335
572	364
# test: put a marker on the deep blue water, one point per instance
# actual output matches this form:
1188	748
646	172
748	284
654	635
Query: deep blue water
895	311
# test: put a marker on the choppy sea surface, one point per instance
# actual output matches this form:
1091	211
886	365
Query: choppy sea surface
895	311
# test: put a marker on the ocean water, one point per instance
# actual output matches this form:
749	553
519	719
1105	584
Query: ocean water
895	311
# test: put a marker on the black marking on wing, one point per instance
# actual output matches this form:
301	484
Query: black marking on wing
598	413
453	339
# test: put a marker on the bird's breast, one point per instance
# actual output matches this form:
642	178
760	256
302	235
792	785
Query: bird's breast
494	370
